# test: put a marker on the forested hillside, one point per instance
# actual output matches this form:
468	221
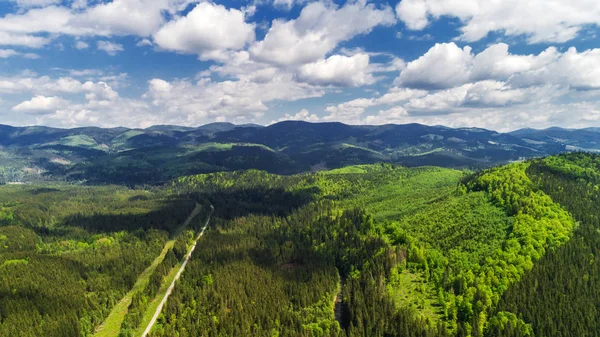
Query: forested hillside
68	253
367	250
455	244
561	295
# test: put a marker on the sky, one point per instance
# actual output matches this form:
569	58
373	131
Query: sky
495	64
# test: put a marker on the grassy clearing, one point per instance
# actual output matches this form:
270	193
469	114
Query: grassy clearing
410	289
398	198
112	325
210	147
156	301
390	196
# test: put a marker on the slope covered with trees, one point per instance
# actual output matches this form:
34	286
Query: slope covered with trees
561	295
368	250
459	242
68	253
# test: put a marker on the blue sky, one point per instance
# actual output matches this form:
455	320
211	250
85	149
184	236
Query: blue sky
495	64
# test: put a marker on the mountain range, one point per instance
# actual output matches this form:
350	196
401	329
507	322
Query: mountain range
162	152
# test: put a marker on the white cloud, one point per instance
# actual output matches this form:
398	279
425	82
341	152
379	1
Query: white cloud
46	86
51	19
302	115
571	115
35	3
249	10
338	70
353	108
413	13
99	91
395	115
10	39
357	103
81	72
539	20
317	31
6	53
396	95
118	17
108	113
208	27
81	45
101	105
481	94
244	100
136	17
496	62
488	104
441	100
144	42
351	111
285	3
109	47
446	65
31	56
79	4
571	68
40	104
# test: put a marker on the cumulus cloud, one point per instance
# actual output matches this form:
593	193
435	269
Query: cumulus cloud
351	111
561	20
285	3
483	94
108	113
579	70
571	115
446	65
47	86
93	103
338	70
245	100
10	39
317	31
208	27
397	94
6	53
118	17
52	19
35	3
306	57
488	104
144	42
395	115
40	104
302	115
109	47
81	45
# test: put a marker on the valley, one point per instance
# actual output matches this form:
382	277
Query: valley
423	251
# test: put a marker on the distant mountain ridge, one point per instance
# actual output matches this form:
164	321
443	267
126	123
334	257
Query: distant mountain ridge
162	152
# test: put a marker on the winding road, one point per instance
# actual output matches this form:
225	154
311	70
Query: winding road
187	258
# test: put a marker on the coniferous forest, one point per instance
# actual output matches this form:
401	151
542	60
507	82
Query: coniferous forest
368	250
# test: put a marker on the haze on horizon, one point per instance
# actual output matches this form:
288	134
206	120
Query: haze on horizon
459	63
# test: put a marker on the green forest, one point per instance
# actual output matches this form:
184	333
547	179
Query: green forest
366	250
